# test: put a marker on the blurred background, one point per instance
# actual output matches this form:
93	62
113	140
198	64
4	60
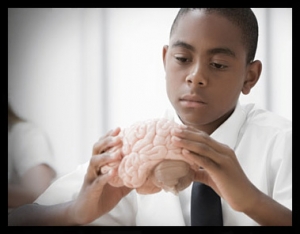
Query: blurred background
79	72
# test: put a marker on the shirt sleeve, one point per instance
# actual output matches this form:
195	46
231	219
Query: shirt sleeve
65	188
31	148
281	169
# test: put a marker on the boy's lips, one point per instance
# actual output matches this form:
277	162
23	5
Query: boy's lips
191	101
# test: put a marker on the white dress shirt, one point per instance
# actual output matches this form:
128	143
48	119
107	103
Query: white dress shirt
262	142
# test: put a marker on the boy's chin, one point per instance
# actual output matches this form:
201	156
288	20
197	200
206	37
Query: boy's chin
189	119
189	122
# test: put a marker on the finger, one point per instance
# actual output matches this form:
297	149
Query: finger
200	161
203	177
99	182
115	132
106	158
103	144
206	169
196	135
100	160
198	149
112	132
104	178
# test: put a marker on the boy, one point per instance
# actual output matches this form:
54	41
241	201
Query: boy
244	154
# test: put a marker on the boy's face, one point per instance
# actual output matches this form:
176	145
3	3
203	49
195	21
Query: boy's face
205	65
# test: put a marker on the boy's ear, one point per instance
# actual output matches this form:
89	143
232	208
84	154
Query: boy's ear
253	74
164	54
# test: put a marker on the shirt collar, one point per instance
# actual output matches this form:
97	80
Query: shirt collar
227	132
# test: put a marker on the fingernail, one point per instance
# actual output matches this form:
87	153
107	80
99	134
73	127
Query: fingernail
176	130
175	138
183	126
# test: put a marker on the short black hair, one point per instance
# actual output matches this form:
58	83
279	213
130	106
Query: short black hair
244	18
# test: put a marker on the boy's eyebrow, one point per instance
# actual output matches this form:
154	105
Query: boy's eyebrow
183	44
213	51
221	50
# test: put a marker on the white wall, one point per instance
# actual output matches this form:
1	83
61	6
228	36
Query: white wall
80	72
274	89
54	79
280	66
136	74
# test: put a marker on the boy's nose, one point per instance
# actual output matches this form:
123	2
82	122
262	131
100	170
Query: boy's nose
196	78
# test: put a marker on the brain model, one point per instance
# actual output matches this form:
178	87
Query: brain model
150	162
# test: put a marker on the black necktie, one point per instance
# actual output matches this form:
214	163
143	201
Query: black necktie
206	207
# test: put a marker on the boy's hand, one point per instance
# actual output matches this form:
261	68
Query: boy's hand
96	196
218	167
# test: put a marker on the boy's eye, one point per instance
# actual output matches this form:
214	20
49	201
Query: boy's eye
218	65
182	59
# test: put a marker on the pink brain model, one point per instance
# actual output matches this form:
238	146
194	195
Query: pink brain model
150	161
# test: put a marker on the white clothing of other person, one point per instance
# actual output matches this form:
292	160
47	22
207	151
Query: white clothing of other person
29	150
262	142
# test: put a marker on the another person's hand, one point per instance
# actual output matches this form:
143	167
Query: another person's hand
96	196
